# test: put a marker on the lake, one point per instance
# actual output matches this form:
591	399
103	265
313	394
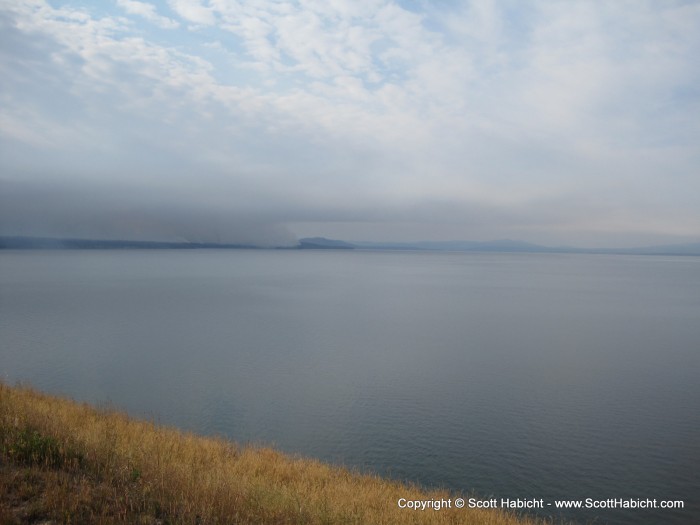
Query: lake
506	375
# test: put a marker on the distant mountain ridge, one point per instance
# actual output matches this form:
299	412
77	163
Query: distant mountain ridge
50	243
322	243
502	245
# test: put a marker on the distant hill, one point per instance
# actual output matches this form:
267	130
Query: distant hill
321	243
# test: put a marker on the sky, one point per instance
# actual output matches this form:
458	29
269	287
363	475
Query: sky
261	121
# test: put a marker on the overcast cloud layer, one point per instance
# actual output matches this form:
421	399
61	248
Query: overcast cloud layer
558	122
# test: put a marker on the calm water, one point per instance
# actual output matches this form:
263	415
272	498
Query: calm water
548	376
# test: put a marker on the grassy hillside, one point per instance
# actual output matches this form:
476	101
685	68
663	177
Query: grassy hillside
63	462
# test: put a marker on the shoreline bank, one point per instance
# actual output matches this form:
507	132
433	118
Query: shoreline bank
66	462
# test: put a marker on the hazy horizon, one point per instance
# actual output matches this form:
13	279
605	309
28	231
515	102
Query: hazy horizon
264	122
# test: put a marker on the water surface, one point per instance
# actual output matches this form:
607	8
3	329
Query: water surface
547	376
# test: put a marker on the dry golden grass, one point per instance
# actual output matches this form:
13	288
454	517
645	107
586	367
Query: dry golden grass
65	462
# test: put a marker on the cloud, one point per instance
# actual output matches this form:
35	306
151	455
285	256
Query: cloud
128	212
335	111
193	11
148	12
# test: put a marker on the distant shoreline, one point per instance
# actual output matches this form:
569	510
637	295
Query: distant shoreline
320	243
